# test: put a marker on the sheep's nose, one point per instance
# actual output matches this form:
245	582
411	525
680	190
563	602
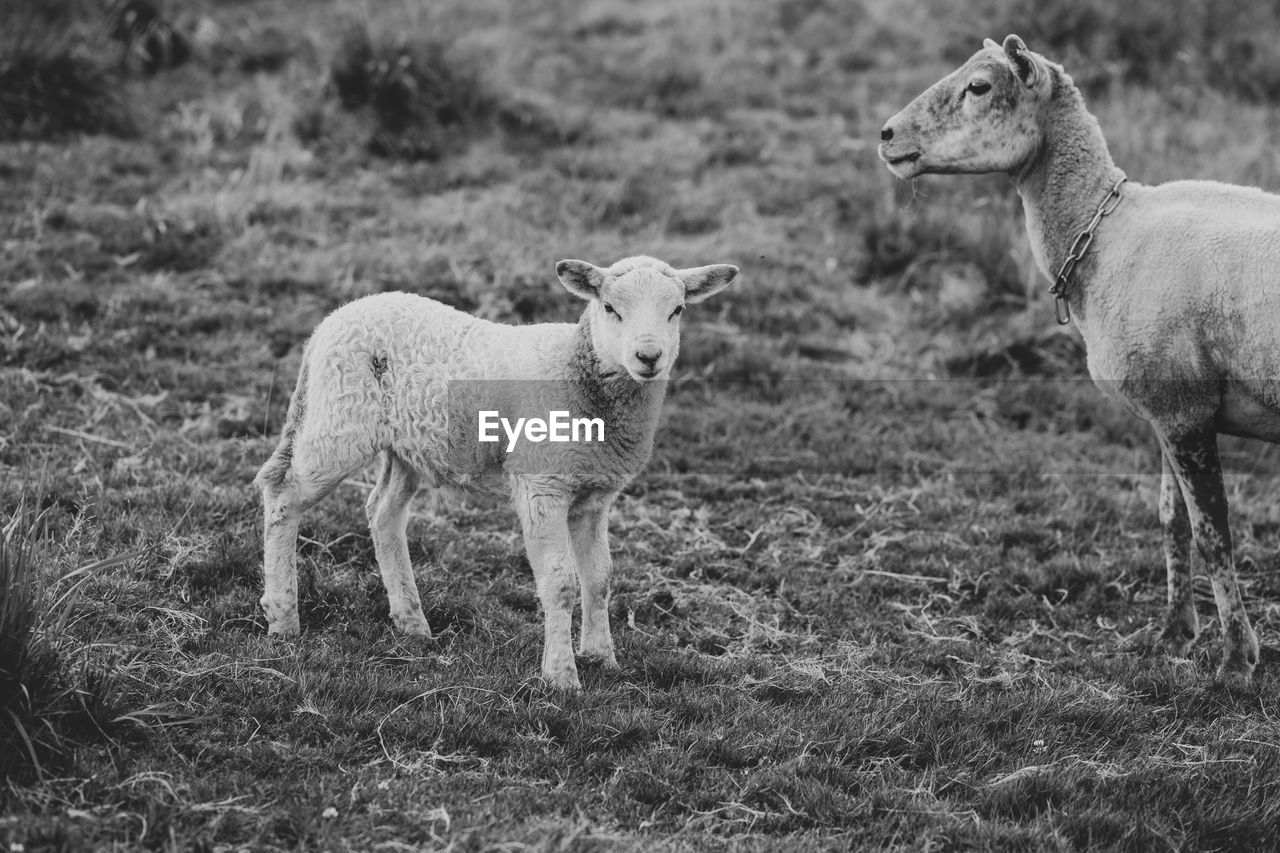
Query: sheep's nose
886	133
649	357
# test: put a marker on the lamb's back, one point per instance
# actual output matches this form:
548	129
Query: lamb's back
389	369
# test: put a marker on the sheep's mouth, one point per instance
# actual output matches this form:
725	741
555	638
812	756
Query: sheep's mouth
903	165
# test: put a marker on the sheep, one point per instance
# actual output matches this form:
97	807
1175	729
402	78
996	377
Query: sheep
411	379
1173	293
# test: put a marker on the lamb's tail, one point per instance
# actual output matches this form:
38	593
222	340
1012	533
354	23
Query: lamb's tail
277	467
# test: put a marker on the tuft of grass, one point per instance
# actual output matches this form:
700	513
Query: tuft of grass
425	104
53	696
53	79
144	33
28	664
428	103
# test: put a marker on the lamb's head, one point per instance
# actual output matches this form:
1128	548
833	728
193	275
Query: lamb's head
983	117
635	309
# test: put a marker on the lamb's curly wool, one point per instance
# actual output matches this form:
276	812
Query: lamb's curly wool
1176	298
405	376
389	370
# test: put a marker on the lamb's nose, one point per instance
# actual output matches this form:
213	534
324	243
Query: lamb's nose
886	133
649	357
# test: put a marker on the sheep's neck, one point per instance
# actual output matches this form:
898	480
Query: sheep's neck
1066	179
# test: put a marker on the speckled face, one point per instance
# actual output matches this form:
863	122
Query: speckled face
982	117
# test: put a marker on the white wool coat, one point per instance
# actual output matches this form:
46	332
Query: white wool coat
404	373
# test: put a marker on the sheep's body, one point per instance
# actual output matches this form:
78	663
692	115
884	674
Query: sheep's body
1182	310
405	377
1178	298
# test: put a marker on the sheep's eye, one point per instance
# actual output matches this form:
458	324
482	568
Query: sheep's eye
676	313
979	87
608	309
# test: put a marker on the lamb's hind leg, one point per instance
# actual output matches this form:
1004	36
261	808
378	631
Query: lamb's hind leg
1193	456
1181	625
281	512
589	530
388	512
292	481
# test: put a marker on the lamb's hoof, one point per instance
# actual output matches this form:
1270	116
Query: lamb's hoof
563	679
281	621
412	622
286	628
1177	639
602	659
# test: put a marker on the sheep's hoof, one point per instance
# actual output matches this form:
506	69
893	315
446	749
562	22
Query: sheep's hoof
412	623
1238	662
1234	678
1177	638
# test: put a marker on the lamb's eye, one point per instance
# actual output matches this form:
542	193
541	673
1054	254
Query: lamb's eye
608	309
979	87
676	313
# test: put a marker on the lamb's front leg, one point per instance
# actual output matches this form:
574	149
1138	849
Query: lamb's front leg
589	529
1181	625
544	517
1193	455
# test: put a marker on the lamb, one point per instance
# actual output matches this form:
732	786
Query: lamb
408	378
1172	288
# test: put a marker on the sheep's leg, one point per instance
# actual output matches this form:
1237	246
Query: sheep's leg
281	513
1181	624
1194	459
589	530
544	519
388	512
293	480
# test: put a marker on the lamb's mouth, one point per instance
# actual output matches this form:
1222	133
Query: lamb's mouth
906	158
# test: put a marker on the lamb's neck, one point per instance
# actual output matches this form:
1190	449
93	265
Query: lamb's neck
1065	181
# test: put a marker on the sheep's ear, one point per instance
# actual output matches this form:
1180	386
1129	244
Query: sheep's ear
987	43
580	278
1023	60
701	282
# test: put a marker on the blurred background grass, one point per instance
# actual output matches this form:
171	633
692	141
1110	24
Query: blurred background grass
880	410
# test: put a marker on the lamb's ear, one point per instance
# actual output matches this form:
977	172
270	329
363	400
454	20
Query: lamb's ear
986	43
701	282
580	278
1023	60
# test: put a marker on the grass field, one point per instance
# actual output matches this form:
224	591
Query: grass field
888	582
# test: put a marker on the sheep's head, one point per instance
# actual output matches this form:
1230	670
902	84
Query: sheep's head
636	306
982	117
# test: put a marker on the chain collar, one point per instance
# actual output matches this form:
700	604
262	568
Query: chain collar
1081	245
